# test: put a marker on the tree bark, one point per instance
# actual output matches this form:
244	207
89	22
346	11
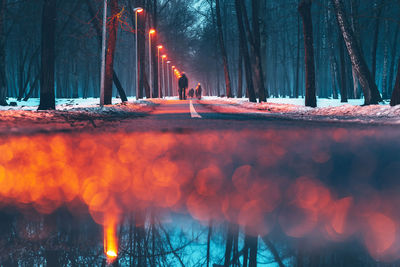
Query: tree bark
3	81
254	40
253	246
343	72
245	52
47	96
240	73
396	90
393	60
96	25
228	245
154	50
111	44
385	62
305	12
209	243
223	50
370	90
298	59
376	35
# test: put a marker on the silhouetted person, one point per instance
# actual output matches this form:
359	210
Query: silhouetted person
183	85
198	91
191	92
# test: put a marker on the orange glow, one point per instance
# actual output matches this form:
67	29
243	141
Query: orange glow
164	56
160	47
139	10
110	240
173	67
217	177
152	31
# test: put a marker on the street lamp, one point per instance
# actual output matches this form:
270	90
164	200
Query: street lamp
162	67
137	10
158	66
152	31
168	83
103	54
173	81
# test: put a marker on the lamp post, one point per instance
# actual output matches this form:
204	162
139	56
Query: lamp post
152	31
168	83
103	54
137	10
162	69
173	80
158	72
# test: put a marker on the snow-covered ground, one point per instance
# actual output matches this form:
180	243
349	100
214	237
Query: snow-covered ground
69	114
328	109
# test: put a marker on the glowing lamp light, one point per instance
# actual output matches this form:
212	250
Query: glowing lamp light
160	47
111	254
152	31
138	10
164	56
168	62
173	67
110	240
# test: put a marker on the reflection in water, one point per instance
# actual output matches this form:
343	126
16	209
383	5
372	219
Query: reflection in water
309	196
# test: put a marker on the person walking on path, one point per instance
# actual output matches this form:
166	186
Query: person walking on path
198	91
183	85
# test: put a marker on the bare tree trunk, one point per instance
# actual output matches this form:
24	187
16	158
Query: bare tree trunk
298	58
253	245
3	81
47	97
343	72
111	44
376	35
396	90
223	50
209	243
96	26
385	62
354	26
240	73
254	41
371	93
246	251
228	245
245	52
305	12
393	61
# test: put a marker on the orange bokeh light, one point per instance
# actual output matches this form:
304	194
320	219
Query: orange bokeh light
217	177
152	31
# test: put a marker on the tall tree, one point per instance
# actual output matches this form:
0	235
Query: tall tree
111	44
245	51
223	50
253	38
396	90
370	90
378	5
3	82
305	12
96	24
49	19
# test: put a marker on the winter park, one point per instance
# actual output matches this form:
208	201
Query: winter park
200	133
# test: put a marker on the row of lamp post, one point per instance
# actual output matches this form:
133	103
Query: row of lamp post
163	90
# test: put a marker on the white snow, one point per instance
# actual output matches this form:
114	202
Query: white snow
328	109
